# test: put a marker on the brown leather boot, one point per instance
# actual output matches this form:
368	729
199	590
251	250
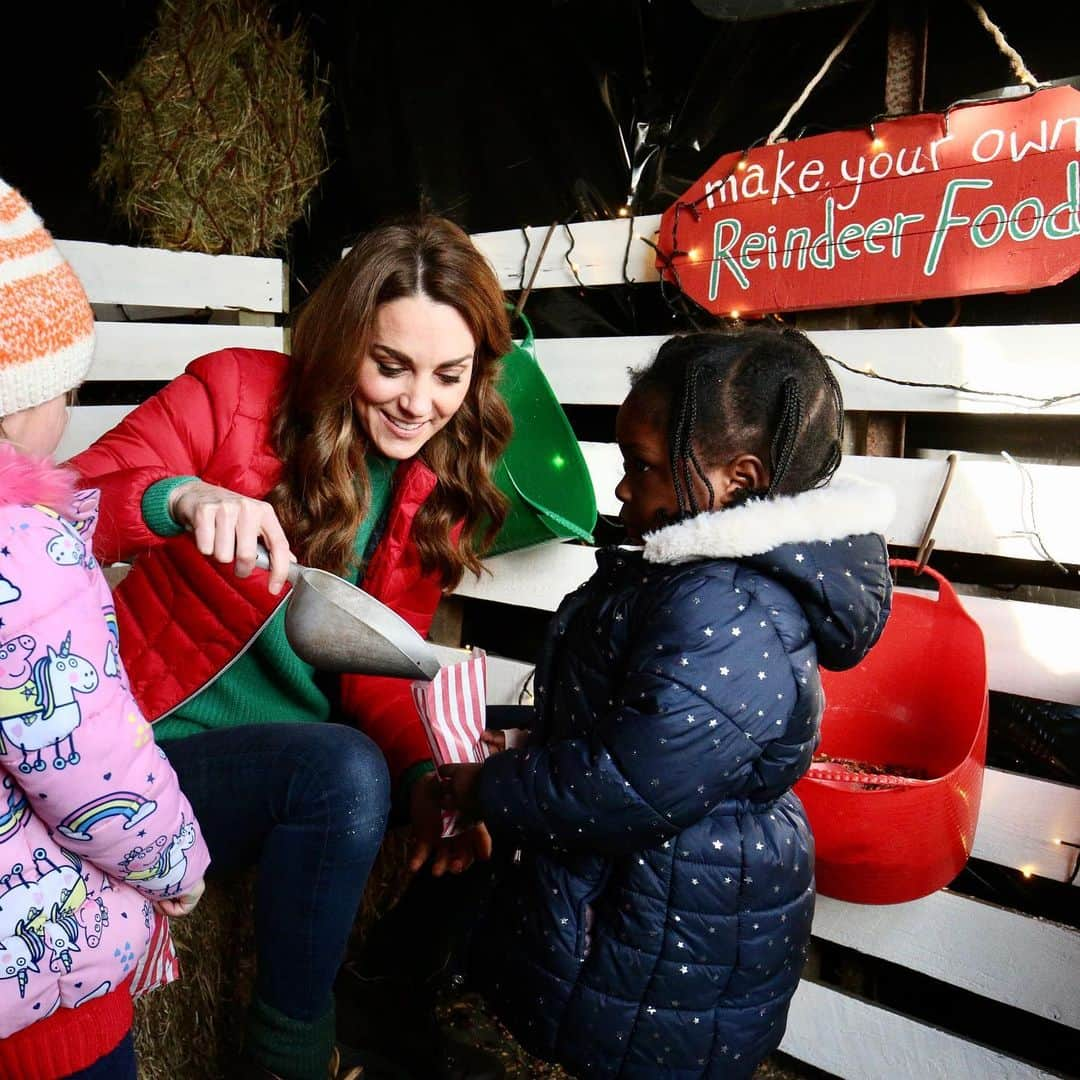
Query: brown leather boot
338	1072
252	1070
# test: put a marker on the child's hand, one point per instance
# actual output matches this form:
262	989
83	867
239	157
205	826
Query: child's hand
460	789
505	739
176	907
447	853
494	740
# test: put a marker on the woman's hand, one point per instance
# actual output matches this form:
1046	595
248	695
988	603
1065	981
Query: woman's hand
453	853
176	907
228	527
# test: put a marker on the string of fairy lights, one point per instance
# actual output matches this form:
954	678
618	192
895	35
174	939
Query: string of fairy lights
669	262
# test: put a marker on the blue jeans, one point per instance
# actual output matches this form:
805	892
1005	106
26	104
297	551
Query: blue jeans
118	1064
307	804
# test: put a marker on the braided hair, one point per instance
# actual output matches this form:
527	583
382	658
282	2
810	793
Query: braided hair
759	390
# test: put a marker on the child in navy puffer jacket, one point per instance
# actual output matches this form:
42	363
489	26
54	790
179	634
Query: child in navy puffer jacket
656	917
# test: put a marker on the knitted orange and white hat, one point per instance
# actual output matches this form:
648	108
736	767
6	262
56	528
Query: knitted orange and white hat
46	324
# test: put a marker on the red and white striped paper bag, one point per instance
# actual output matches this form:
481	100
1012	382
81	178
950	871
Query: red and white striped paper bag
453	709
159	965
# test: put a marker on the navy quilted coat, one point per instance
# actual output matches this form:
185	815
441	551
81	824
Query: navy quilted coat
657	916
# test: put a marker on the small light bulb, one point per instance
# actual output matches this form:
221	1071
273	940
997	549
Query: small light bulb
742	165
878	143
694	254
558	461
1057	839
623	211
735	314
573	266
1026	871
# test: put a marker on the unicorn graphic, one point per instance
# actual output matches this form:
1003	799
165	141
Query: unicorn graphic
17	813
60	932
164	875
66	550
20	952
58	677
25	927
67	545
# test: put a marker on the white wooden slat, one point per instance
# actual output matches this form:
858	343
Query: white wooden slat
947	936
1020	817
987	511
115	274
87	423
988	507
161	351
857	1040
597	249
1021	820
1039	361
537	577
943	935
1030	648
506	679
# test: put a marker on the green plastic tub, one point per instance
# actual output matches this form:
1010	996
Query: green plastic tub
542	472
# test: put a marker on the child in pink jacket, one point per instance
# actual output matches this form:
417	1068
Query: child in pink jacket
97	843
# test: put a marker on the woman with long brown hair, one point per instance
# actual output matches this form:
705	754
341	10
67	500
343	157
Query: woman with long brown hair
369	453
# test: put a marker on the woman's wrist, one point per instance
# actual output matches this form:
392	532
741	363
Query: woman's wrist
183	483
158	501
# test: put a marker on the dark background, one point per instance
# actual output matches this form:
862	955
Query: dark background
504	115
500	115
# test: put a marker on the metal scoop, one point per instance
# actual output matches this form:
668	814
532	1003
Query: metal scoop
334	626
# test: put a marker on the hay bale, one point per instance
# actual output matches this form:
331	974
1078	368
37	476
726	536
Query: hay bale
215	141
193	1028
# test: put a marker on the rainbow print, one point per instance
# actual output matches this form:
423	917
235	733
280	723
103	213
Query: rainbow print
111	667
79	824
16	814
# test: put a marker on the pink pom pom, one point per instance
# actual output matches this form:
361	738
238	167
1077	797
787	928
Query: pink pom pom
35	481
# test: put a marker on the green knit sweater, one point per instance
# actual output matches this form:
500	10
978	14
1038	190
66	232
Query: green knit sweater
268	682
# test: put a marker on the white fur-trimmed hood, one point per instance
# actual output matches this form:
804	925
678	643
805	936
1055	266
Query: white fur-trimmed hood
848	506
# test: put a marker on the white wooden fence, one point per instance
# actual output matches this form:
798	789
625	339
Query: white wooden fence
1025	962
239	298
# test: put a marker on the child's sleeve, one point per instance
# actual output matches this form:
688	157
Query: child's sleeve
691	726
103	787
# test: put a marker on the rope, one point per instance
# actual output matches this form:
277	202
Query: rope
520	306
1020	69
900	75
809	89
1033	535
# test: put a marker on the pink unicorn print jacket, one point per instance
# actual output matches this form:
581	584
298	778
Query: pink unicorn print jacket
93	825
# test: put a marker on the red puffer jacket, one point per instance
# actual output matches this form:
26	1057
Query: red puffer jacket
183	617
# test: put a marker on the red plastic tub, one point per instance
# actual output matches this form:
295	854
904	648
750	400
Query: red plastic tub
918	704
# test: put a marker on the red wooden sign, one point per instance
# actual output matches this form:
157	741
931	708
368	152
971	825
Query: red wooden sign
983	198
